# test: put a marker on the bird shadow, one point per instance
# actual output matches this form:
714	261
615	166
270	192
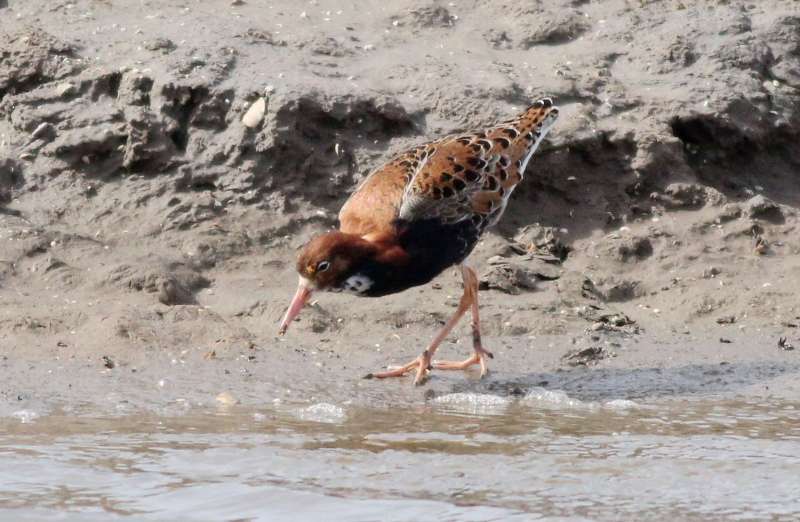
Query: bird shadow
602	384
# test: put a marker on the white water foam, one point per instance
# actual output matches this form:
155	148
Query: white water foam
474	403
621	405
322	412
25	416
555	399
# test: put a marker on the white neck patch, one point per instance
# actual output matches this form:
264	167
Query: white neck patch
357	284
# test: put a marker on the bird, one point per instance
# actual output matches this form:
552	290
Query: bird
419	214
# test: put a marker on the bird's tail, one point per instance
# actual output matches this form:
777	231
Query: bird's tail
532	125
538	117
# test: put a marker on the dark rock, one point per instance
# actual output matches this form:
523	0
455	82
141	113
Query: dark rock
508	277
634	249
10	178
587	356
172	292
498	39
108	362
544	243
165	45
619	290
762	208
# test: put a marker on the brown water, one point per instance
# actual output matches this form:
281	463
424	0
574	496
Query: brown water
456	457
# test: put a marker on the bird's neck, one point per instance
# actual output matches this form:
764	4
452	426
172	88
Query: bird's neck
380	261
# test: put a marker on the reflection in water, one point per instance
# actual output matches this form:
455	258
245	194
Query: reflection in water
457	457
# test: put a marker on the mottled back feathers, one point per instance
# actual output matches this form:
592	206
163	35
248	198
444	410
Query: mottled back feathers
462	177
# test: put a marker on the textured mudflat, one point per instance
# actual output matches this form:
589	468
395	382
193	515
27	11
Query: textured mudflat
161	162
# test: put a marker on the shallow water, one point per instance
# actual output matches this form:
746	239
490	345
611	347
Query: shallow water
455	457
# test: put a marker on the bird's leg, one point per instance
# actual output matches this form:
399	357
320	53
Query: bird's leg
481	354
423	362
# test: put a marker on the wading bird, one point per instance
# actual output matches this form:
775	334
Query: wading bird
419	214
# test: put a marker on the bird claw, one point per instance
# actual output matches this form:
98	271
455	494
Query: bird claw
479	357
399	371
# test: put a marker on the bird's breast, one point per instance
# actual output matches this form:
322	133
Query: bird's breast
428	248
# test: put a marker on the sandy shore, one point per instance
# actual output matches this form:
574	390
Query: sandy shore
147	233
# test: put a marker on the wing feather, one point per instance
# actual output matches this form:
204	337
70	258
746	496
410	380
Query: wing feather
467	176
471	176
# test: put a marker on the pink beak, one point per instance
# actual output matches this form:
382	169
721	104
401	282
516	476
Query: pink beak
297	304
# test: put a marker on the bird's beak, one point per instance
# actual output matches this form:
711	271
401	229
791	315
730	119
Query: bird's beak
304	288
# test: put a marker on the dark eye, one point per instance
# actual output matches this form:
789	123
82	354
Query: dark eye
323	265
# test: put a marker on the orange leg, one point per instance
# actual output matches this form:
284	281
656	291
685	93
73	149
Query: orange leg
423	362
481	354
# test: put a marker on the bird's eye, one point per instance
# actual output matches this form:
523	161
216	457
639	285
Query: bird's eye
323	265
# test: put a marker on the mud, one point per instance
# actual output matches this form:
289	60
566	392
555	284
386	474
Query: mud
150	210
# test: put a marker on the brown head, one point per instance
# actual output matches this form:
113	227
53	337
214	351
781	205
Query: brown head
324	263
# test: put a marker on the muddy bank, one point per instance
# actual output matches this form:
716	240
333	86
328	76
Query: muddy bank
160	164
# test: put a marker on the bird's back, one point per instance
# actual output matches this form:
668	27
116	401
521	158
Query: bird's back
464	177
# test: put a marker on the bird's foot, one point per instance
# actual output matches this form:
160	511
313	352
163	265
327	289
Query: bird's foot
479	357
421	363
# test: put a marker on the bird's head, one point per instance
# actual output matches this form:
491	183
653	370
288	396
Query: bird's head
324	263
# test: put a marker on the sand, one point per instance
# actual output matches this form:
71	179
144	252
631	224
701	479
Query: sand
160	163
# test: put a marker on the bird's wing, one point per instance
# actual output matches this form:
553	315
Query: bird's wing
459	177
471	176
374	205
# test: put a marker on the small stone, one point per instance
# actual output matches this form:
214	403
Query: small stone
108	362
726	319
226	399
711	272
44	131
255	114
65	89
165	45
